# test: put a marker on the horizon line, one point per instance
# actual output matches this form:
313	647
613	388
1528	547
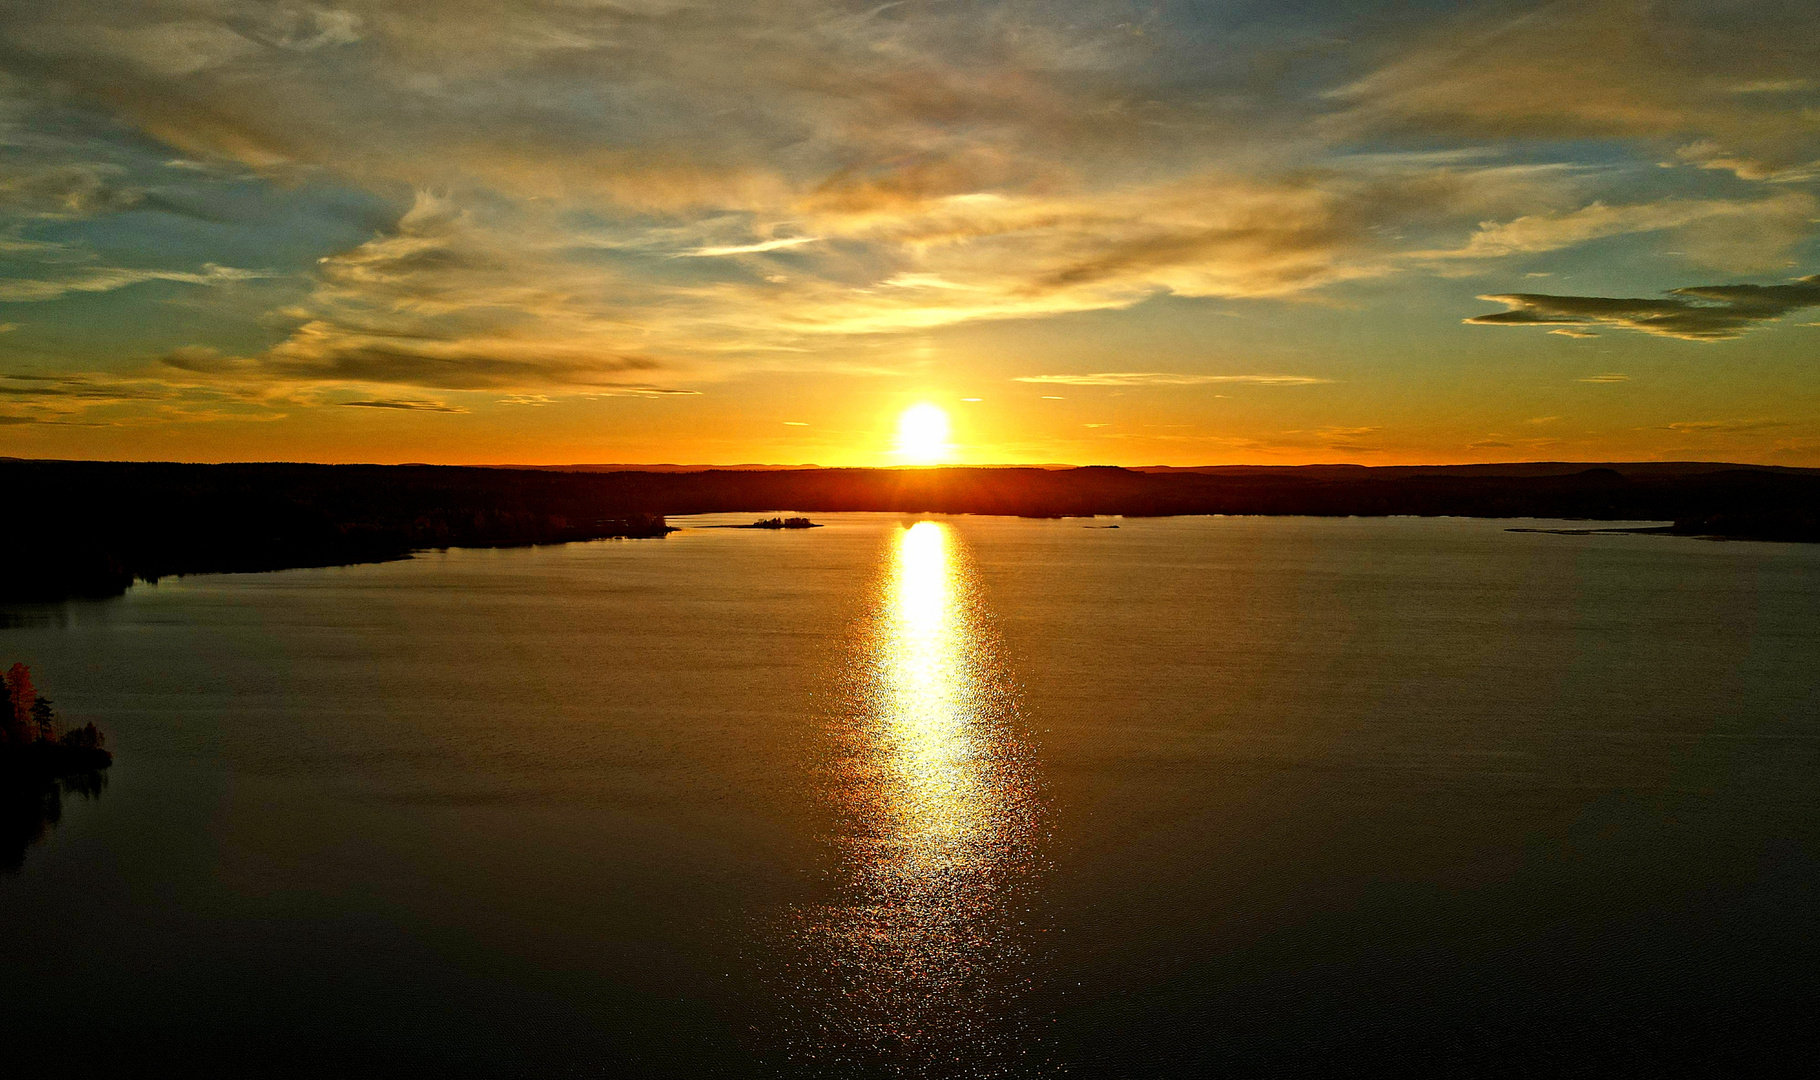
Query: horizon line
770	467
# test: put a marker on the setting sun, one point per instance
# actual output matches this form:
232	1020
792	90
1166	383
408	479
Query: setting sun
922	434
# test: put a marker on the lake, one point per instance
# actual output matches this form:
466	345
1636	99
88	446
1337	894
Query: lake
932	797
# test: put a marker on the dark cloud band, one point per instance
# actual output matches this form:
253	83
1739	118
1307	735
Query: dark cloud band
403	405
1696	313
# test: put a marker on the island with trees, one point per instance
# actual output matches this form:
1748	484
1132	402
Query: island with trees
40	762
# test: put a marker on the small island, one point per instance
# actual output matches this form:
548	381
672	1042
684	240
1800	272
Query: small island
780	523
39	764
30	739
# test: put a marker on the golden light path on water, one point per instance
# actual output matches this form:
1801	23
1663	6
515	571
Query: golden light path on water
936	797
920	966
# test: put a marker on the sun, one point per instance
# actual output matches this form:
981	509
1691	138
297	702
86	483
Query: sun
922	434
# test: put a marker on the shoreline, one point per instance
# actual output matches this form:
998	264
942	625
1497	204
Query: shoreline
95	528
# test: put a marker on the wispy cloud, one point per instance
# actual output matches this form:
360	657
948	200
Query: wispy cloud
1730	234
65	388
639	390
107	279
1724	427
93	399
1160	378
751	249
1772	86
64	190
1598	69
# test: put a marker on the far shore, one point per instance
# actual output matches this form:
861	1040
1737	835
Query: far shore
97	527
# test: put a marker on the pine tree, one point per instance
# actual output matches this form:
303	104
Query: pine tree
44	719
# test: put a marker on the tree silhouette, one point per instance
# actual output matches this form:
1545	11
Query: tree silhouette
44	719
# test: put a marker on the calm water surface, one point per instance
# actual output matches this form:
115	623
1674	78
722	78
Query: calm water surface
940	797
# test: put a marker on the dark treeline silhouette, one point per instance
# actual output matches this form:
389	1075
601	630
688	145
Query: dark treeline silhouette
91	528
40	762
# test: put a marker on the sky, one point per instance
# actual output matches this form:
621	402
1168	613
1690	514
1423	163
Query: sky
695	231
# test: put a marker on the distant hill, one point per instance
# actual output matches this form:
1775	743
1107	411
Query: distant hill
1508	468
661	468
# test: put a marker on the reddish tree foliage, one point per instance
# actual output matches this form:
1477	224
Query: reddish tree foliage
19	698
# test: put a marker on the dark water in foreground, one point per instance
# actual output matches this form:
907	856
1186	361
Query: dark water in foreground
976	797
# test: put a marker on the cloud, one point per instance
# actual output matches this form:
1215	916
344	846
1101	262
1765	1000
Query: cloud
1724	427
444	301
465	292
644	197
1665	72
204	360
403	404
754	248
1707	154
77	388
1723	233
174	49
1696	313
641	390
1216	234
656	104
92	399
1608	377
320	352
1158	378
1773	86
108	278
924	167
63	191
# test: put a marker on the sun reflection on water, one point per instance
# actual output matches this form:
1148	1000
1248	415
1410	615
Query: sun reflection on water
920	965
934	793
